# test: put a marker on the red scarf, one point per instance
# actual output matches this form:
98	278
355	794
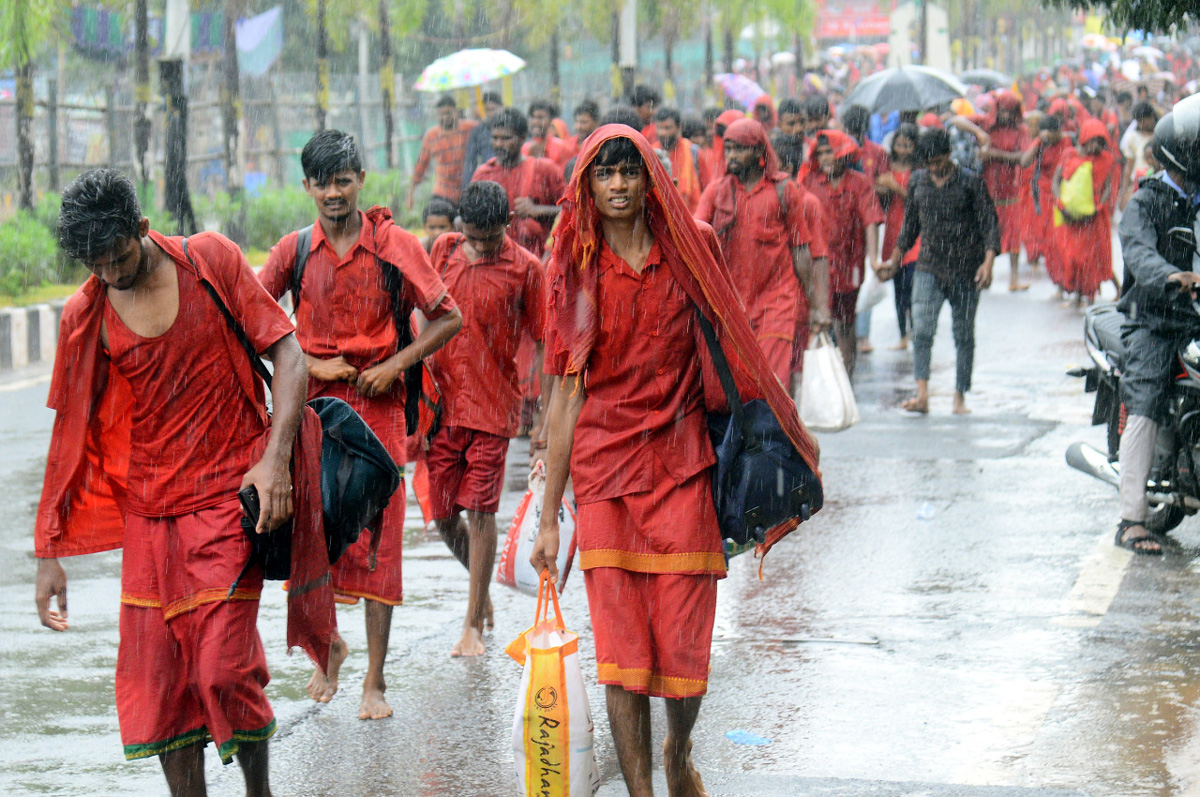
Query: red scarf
693	255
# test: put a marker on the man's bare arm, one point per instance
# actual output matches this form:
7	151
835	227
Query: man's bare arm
565	406
814	279
379	378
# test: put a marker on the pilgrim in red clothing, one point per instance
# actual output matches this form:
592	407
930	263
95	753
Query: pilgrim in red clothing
764	112
1045	156
712	160
894	186
1087	243
683	165
818	250
757	212
346	325
500	288
1002	173
630	270
140	459
854	214
533	185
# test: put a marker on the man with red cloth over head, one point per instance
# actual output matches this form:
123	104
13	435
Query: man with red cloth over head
854	214
757	212
1087	242
1008	140
533	185
500	288
1045	155
346	325
631	269
154	435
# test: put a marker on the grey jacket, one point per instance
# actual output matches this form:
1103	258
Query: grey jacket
1157	240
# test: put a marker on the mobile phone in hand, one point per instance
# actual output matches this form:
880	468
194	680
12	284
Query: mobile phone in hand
248	496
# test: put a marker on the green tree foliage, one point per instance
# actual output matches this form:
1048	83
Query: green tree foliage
1158	16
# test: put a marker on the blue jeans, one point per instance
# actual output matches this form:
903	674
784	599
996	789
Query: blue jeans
903	283
927	298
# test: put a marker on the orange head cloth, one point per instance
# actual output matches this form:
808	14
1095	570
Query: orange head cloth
843	146
765	101
694	258
750	133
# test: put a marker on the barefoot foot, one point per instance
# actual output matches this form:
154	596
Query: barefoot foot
899	345
471	643
960	407
373	705
322	687
918	405
1016	287
683	779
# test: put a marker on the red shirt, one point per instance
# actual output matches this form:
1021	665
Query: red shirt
501	297
849	207
758	250
192	426
814	217
873	159
643	420
540	179
1051	158
447	149
345	307
895	220
556	150
1004	179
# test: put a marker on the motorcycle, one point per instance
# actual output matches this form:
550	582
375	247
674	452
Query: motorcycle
1173	490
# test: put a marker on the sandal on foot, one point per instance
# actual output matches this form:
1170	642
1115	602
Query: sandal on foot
1136	544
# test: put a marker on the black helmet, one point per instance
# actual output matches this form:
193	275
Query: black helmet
1177	138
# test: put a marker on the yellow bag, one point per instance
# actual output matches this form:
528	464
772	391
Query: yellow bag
1075	196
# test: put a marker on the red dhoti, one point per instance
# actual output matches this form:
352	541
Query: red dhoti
1087	254
190	666
1011	217
353	577
651	561
778	351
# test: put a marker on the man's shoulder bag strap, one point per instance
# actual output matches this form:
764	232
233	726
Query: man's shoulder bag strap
303	244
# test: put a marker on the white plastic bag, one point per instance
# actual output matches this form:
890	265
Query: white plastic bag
515	570
552	727
870	293
826	399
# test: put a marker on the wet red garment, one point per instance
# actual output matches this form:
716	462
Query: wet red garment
190	665
1004	179
345	308
556	150
502	297
1087	244
691	252
765	101
873	159
894	220
1048	161
87	467
466	471
757	238
191	456
850	207
707	164
541	180
650	132
685	173
717	152
818	248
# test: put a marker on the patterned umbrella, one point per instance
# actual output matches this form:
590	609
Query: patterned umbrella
468	68
739	88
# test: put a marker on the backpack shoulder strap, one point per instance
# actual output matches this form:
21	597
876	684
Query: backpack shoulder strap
256	362
303	244
781	191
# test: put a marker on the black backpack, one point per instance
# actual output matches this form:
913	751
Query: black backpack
393	281
358	476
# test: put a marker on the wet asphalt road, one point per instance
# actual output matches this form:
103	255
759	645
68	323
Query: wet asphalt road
955	622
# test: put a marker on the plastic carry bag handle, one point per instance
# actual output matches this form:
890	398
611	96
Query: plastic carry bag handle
543	606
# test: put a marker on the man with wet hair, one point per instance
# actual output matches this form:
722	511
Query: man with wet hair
437	218
446	145
816	115
499	287
645	101
950	210
363	275
631	272
587	118
479	143
791	117
543	141
758	214
683	167
153	438
533	185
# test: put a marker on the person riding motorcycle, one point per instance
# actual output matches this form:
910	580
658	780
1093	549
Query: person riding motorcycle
1159	245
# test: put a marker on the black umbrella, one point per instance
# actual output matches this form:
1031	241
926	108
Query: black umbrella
986	79
907	88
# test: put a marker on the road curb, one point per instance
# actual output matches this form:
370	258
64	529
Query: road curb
29	335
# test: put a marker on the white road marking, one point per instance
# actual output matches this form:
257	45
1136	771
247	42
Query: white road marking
1097	585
